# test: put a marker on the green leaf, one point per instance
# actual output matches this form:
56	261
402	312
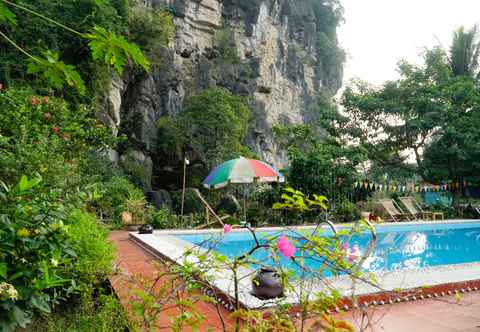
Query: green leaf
19	316
3	270
6	15
114	50
56	72
25	184
4	186
278	206
99	3
15	276
22	186
39	302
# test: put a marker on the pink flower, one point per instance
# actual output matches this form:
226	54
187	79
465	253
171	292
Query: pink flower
344	247
227	228
354	254
285	247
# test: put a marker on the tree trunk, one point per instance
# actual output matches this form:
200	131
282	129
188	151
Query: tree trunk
457	194
418	159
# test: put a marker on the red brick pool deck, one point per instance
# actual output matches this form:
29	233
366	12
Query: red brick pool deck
444	314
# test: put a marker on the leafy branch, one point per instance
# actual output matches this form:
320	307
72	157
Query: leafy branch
114	50
105	46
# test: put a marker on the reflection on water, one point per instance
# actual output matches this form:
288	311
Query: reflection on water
418	249
407	248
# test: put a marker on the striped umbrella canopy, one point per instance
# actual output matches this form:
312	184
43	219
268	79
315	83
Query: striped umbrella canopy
242	170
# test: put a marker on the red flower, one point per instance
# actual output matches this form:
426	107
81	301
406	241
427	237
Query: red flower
34	101
47	115
55	130
45	100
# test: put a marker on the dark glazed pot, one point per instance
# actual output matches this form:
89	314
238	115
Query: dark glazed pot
267	284
145	229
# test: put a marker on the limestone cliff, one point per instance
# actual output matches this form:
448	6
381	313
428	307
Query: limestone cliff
282	53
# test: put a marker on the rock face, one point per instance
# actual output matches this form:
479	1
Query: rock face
281	53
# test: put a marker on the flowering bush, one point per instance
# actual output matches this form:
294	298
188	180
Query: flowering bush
49	249
47	252
29	118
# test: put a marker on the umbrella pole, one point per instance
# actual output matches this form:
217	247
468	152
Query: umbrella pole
245	205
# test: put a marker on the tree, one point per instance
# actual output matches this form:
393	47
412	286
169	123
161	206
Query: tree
321	160
215	123
454	151
401	115
30	31
429	109
464	52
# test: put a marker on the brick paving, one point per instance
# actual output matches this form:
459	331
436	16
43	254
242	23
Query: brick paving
444	314
131	259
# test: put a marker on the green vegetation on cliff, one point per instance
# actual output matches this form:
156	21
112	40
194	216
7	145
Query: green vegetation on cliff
213	124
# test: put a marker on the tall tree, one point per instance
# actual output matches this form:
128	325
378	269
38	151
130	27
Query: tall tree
401	115
464	52
430	110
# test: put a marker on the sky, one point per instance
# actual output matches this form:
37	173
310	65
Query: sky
378	33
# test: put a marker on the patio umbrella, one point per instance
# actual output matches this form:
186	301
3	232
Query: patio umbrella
242	170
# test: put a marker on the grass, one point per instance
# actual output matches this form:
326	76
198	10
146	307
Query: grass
102	313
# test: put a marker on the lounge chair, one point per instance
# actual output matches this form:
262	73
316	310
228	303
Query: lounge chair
393	210
415	209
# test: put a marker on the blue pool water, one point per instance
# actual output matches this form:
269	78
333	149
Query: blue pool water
398	246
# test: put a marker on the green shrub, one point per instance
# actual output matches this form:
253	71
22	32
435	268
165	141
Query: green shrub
28	118
101	314
346	211
187	221
152	31
139	171
47	254
115	194
94	253
161	219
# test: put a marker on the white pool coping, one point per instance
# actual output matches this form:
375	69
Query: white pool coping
163	243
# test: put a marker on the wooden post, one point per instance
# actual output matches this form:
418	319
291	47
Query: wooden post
184	181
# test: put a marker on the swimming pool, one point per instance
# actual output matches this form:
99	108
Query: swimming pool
409	256
398	247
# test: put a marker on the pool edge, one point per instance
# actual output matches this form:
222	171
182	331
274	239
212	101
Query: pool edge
364	299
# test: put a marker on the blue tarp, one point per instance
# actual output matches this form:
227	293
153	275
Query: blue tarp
437	197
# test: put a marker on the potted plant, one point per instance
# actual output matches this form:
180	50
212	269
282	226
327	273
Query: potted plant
136	211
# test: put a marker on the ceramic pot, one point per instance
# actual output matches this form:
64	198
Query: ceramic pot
145	229
267	284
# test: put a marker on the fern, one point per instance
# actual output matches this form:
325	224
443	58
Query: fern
56	72
114	50
6	15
